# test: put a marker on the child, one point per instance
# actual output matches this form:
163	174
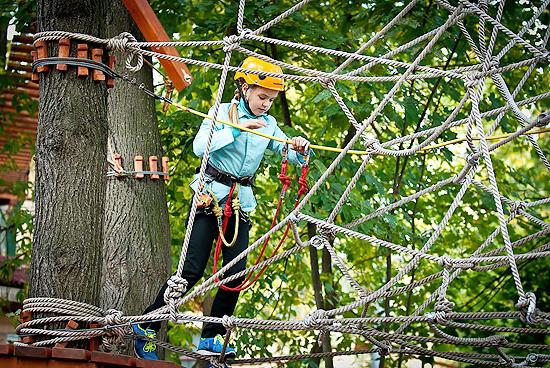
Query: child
235	156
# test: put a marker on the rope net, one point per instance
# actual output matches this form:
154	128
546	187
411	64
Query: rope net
492	336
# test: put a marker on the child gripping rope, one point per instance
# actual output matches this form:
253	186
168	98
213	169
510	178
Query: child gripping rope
227	197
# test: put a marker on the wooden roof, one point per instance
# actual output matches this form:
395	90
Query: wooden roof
17	123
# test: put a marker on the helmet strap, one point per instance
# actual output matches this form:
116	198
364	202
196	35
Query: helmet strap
243	96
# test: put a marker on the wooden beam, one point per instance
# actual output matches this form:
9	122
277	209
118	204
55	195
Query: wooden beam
152	30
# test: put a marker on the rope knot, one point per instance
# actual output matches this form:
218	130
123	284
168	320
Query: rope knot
497	340
231	42
113	317
491	63
122	43
326	82
318	242
531	358
528	306
236	203
293	218
470	81
313	321
244	32
228	322
113	335
543	119
443	305
437	316
119	42
327	233
473	159
446	261
177	286
517	206
214	363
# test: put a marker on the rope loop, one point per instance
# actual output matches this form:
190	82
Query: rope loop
123	42
531	358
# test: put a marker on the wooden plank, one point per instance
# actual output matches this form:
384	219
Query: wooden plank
18	66
20	56
21	47
152	30
23	39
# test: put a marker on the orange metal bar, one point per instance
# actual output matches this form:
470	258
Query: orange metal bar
152	30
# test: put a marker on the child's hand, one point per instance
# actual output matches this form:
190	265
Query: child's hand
300	144
253	124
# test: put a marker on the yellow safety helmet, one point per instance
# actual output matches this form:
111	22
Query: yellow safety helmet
253	63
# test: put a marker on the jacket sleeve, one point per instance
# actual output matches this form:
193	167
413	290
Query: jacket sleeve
276	146
223	134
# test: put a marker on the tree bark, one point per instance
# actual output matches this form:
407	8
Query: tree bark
70	166
136	233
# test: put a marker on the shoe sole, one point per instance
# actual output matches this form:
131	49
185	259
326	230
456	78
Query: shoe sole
211	353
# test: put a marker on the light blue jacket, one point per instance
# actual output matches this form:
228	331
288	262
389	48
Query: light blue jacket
237	152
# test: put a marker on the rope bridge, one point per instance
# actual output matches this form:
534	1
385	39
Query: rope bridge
437	310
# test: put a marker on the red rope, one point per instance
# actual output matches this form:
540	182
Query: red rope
227	212
286	181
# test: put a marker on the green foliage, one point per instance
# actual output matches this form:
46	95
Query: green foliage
285	292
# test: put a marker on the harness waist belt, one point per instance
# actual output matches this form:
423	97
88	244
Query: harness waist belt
226	178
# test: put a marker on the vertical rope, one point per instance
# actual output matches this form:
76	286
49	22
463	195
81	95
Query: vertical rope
204	161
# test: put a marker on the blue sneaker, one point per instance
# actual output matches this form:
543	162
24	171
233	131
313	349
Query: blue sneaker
213	346
143	348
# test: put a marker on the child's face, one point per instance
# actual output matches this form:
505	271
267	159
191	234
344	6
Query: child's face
259	98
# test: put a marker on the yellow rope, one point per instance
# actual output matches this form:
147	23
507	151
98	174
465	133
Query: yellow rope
489	138
334	149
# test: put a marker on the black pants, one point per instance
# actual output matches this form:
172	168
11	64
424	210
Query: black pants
203	234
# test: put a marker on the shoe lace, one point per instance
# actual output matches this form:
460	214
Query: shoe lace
218	340
150	346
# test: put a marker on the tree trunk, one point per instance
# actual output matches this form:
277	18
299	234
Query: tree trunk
315	281
330	298
136	235
70	166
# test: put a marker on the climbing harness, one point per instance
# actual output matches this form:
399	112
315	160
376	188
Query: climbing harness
286	181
